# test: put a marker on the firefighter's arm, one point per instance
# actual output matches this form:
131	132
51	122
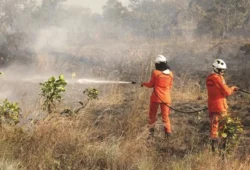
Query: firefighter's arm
227	91
151	83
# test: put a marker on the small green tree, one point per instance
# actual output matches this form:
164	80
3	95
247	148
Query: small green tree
230	131
92	94
9	112
52	91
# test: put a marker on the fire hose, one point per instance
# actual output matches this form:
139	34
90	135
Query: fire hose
243	91
176	110
196	111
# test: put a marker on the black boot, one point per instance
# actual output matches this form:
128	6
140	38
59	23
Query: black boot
214	144
151	131
223	147
167	135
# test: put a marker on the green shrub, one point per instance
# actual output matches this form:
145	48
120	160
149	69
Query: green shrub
92	93
9	112
230	131
52	91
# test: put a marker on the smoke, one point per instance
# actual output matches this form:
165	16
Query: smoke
94	5
51	39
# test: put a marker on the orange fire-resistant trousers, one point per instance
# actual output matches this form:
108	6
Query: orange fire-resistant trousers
165	111
215	117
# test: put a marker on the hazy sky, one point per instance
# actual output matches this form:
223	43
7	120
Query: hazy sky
94	5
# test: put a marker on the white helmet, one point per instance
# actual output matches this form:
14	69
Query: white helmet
160	59
219	64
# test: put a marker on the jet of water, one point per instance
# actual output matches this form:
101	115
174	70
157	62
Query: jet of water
89	81
38	79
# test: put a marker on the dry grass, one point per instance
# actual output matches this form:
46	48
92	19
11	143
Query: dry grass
107	136
112	133
8	165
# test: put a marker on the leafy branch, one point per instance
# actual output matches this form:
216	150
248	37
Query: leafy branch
52	91
91	93
9	112
230	131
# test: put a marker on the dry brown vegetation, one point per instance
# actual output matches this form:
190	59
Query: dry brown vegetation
112	133
40	40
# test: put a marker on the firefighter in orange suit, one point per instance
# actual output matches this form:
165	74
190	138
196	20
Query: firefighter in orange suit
217	91
161	82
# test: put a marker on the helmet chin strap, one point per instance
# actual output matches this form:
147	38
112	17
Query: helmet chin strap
218	71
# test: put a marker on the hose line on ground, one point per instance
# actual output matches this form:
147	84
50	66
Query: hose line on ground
196	111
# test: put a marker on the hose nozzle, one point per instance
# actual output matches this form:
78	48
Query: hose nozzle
133	82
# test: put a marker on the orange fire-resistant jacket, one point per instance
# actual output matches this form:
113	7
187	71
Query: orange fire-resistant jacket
162	84
217	91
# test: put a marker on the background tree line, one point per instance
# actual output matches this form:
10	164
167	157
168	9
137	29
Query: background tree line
21	21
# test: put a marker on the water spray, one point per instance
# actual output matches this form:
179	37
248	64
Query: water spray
90	81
